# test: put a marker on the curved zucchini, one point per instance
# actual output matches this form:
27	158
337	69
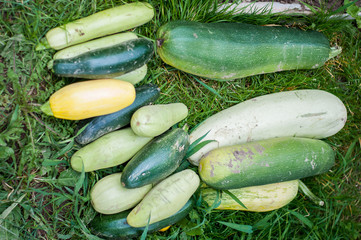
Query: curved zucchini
157	160
97	25
88	99
104	124
227	51
264	162
106	62
116	226
165	199
110	150
261	198
154	120
299	113
108	196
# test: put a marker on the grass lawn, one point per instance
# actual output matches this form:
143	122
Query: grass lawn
43	198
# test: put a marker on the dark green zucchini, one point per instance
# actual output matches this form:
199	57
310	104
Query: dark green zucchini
156	160
107	62
116	226
104	124
227	51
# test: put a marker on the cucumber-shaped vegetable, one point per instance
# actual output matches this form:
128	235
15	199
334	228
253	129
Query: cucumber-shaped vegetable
108	151
264	162
134	76
88	99
261	198
108	196
100	24
154	120
157	160
104	124
299	113
226	51
106	62
164	199
116	226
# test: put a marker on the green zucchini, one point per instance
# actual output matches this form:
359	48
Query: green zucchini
157	160
116	226
108	196
104	124
110	21
227	51
134	76
153	120
264	162
110	150
261	198
164	199
106	62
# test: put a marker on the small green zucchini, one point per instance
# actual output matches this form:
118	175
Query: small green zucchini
261	198
157	160
110	150
110	21
108	196
104	124
116	226
154	120
106	62
264	162
164	199
227	51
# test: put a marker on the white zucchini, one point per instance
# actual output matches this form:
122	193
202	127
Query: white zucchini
134	76
300	113
165	199
108	196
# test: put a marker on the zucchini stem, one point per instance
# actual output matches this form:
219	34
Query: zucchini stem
334	52
160	42
42	45
309	194
47	109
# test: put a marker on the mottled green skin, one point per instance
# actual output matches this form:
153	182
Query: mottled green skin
226	51
264	162
156	160
116	226
106	62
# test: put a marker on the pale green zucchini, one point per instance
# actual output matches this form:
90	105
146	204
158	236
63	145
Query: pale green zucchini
108	196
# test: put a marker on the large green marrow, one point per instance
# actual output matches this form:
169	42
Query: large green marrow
227	51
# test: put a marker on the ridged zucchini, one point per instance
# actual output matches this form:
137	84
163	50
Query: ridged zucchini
88	99
157	160
116	226
300	113
108	196
165	199
264	162
97	25
110	150
106	62
227	51
154	120
104	124
261	198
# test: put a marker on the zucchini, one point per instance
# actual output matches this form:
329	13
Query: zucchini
88	99
116	226
157	160
110	150
261	198
227	51
108	196
264	162
97	25
107	62
154	120
164	199
300	113
104	124
134	76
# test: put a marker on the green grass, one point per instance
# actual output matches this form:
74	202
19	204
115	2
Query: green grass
43	198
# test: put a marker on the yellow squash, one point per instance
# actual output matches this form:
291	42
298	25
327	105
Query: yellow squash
88	99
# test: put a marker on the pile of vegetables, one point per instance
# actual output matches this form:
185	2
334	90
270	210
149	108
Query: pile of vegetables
256	150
